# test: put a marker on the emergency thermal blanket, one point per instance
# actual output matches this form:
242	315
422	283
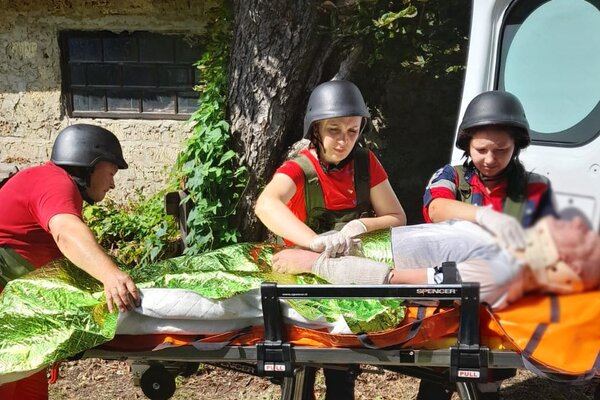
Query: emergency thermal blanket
59	311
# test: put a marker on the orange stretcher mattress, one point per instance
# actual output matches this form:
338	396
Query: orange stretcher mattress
559	333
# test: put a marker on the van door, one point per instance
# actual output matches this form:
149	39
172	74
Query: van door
547	53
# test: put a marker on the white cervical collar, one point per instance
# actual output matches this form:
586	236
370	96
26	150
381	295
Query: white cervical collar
549	272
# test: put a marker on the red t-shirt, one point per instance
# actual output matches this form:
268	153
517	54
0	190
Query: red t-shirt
338	185
29	200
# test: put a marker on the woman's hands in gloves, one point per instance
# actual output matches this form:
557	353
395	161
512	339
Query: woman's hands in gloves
506	228
331	243
334	243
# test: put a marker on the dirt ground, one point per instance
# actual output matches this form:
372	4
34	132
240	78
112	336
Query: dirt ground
104	380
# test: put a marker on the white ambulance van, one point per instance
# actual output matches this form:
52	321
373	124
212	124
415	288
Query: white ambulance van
547	53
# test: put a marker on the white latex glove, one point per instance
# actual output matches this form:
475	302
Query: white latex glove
353	228
507	229
329	243
334	243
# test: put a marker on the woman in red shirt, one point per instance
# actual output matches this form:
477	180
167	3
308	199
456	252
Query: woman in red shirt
331	192
335	117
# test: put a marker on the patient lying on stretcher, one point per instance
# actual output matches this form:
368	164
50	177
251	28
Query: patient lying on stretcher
562	256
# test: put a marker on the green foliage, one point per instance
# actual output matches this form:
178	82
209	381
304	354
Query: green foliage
434	42
415	35
136	233
207	168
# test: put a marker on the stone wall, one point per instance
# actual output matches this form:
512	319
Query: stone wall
31	109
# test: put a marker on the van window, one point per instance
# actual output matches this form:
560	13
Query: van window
550	59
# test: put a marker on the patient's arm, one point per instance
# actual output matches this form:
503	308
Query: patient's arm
413	276
346	270
294	261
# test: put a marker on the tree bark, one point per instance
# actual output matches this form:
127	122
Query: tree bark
279	54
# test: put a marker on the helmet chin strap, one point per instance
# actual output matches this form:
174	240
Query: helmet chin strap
326	167
81	176
494	178
503	174
547	270
82	186
332	167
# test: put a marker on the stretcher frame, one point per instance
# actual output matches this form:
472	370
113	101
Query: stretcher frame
467	363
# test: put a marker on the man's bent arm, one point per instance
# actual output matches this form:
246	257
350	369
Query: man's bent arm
77	242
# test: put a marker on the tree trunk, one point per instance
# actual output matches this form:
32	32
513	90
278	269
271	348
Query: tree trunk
278	55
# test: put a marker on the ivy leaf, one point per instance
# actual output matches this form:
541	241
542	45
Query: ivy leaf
389	18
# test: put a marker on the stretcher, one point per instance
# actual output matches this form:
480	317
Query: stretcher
447	337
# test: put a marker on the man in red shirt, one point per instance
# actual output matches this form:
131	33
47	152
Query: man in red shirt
41	221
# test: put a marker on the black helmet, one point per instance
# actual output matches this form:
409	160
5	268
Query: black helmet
494	108
84	145
334	99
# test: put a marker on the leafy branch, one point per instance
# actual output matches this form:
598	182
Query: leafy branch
207	168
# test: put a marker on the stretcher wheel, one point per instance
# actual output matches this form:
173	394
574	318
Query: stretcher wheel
157	383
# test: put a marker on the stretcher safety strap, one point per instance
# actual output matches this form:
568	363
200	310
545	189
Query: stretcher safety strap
541	328
365	341
416	325
533	367
201	345
535	341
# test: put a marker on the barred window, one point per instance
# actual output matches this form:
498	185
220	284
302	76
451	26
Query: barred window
129	75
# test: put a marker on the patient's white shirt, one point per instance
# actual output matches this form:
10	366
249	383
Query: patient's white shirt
477	255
